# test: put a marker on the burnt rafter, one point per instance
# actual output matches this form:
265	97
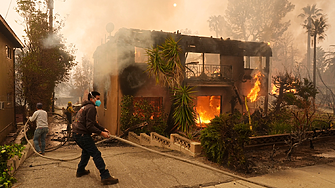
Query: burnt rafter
225	47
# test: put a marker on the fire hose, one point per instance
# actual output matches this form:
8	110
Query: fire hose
51	158
153	151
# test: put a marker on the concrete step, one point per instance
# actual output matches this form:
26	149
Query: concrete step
12	134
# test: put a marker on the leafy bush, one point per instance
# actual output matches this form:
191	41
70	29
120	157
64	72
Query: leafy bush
7	152
223	141
260	124
280	127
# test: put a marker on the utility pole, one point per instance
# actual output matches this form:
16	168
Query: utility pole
51	12
51	9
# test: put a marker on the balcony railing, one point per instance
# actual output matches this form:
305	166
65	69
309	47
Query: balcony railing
208	72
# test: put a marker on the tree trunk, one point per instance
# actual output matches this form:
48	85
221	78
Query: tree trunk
314	68
314	60
308	52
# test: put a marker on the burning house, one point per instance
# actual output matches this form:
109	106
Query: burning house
227	74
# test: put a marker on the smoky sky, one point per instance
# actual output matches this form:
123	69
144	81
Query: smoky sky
85	20
299	34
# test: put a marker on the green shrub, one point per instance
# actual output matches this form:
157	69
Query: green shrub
260	124
6	153
223	141
280	127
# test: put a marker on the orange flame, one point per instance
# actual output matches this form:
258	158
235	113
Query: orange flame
276	92
253	95
207	108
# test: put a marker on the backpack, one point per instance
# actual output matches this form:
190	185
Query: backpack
67	111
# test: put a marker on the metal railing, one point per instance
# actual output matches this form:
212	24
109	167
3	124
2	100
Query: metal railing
208	71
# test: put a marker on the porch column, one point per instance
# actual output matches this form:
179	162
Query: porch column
267	76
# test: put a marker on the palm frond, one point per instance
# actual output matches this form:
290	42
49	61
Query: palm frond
184	114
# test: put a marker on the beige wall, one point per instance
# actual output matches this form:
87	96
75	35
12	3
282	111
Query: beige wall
108	116
237	64
151	89
7	115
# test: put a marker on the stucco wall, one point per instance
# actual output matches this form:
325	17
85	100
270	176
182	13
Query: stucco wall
7	115
237	64
151	89
108	116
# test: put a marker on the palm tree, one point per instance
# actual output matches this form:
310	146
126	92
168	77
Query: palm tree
309	13
165	66
164	63
317	30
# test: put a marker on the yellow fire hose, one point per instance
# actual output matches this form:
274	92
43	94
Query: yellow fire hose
246	106
153	151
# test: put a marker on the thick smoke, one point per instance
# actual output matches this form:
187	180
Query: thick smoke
51	41
86	20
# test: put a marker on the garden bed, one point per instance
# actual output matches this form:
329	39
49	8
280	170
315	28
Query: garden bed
303	155
261	162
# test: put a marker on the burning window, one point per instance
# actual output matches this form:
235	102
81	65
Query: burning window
207	107
140	55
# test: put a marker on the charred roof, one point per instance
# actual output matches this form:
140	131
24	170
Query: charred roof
189	43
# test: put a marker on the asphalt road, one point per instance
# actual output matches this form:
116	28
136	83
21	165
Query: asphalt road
133	166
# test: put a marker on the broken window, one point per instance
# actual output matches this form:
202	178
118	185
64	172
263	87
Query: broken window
140	55
205	64
106	89
8	52
9	98
258	62
212	59
105	100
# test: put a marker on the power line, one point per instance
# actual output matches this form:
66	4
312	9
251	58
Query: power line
8	8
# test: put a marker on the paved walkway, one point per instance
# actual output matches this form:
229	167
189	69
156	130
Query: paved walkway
133	166
138	168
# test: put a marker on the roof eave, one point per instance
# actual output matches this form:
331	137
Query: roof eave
9	33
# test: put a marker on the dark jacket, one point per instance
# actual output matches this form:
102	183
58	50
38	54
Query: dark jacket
85	121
